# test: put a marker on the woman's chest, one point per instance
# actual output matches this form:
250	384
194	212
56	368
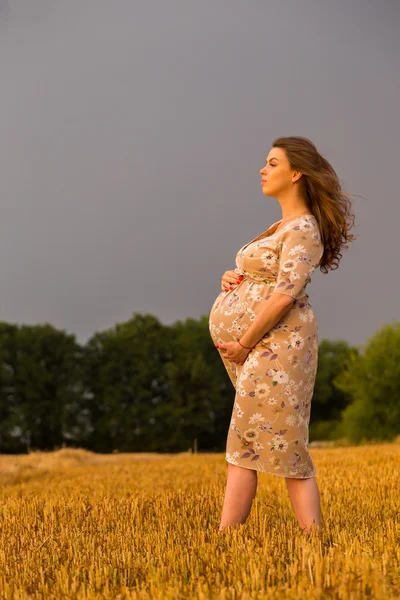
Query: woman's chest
260	259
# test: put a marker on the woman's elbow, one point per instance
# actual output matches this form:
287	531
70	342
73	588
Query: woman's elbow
283	299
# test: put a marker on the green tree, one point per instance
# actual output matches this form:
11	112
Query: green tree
372	378
123	369
39	391
328	401
200	392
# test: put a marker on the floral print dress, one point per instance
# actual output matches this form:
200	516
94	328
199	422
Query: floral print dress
271	412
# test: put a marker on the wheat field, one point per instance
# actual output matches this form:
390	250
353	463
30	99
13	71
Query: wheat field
75	524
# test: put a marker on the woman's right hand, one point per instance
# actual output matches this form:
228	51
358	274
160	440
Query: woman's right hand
229	280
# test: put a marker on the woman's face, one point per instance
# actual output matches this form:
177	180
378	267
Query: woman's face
277	176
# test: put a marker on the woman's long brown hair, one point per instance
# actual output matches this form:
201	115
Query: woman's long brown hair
321	189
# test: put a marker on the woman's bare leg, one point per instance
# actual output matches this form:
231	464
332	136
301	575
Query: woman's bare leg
240	490
304	496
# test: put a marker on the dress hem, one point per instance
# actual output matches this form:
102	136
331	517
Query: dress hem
271	472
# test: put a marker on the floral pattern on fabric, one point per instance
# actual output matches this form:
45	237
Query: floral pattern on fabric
274	387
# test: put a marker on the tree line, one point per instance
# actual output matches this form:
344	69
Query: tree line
142	386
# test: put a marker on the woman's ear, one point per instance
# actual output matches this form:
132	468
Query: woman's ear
296	176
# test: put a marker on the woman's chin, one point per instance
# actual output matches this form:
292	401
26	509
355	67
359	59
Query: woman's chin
266	191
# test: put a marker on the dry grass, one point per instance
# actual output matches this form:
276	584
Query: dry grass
75	524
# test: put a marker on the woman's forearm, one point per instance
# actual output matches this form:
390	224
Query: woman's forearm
273	310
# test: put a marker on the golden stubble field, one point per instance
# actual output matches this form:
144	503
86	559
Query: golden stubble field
74	524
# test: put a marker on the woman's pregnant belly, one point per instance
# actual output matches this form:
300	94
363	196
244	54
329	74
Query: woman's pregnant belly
234	310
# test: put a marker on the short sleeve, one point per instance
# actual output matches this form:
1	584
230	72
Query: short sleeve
301	253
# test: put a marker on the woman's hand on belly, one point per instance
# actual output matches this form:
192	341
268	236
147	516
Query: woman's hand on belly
230	278
234	352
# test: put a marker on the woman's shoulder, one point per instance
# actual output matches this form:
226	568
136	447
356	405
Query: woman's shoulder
301	230
302	223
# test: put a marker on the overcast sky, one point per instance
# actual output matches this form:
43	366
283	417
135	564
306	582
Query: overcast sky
131	138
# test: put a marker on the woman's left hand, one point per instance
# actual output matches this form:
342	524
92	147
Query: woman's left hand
234	352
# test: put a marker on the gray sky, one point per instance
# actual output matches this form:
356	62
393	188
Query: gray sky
131	138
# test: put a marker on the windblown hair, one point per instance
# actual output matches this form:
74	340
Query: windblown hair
321	190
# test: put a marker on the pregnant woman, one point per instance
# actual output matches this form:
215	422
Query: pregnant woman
264	327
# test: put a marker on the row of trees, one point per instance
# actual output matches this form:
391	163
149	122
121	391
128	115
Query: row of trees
144	386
